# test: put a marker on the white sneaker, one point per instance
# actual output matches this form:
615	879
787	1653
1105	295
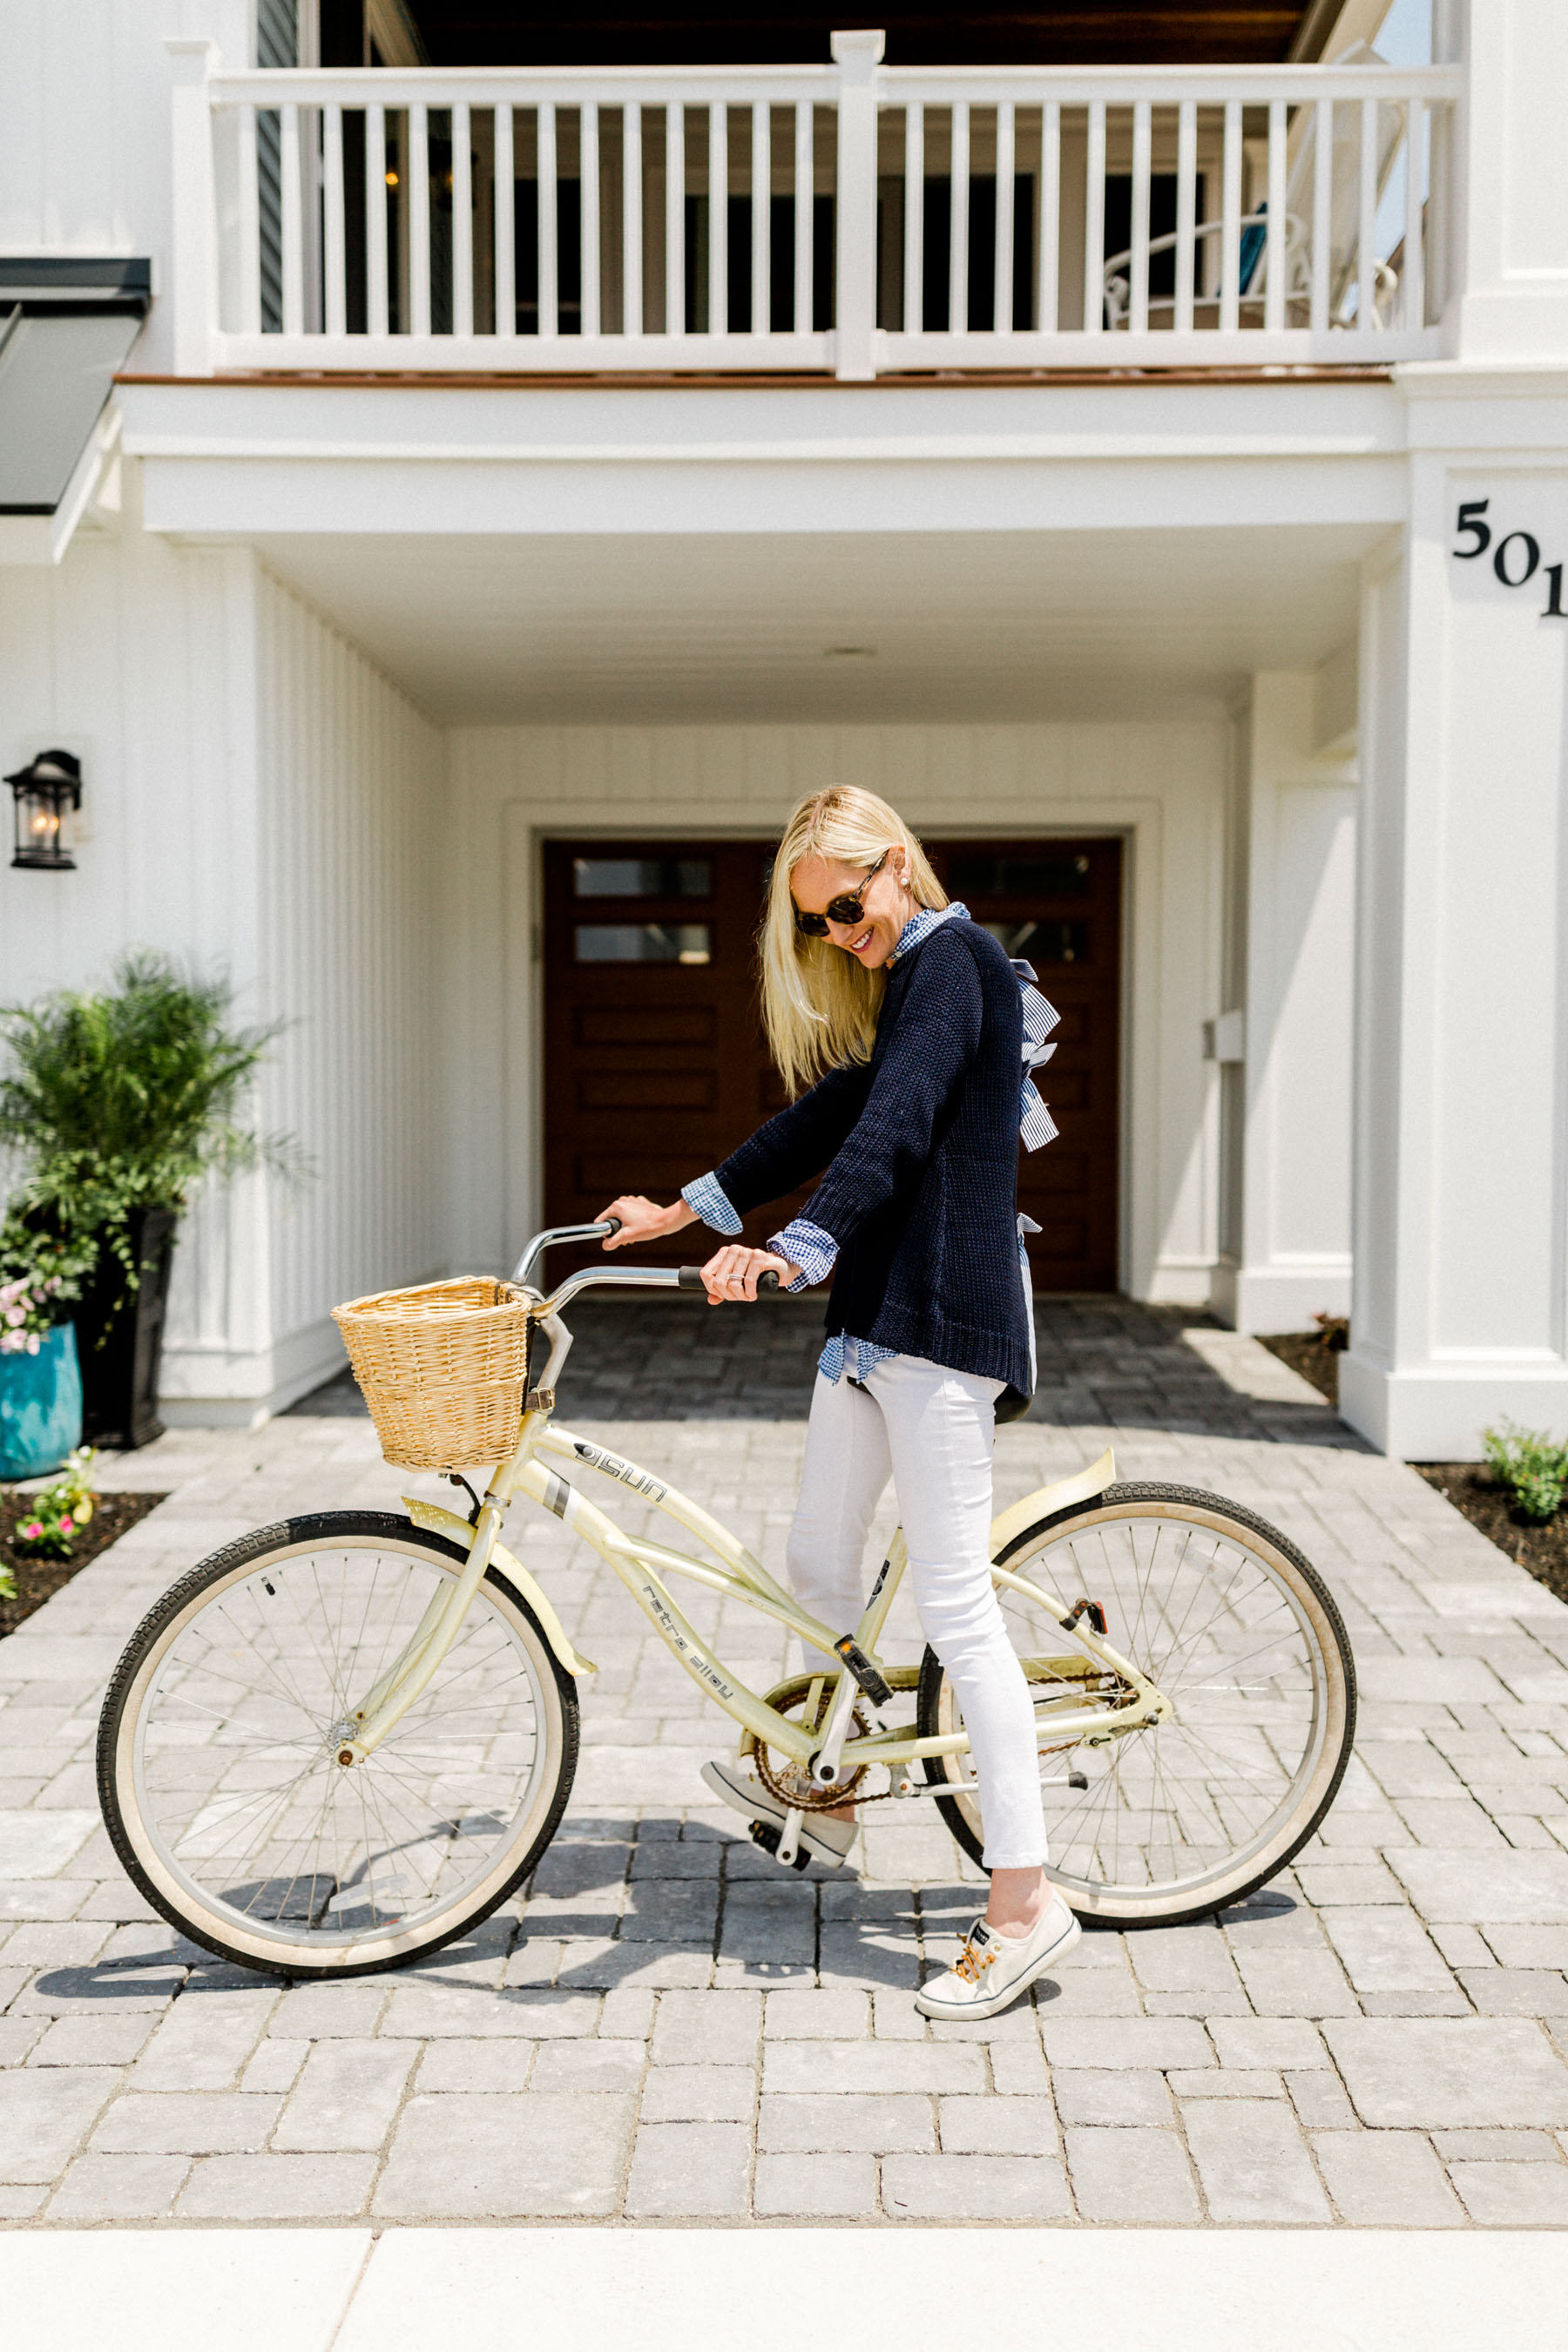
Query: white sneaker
822	1836
993	1970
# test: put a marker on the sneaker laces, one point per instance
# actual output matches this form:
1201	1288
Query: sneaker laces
972	1963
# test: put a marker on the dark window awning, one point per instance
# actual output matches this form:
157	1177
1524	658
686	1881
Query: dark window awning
65	328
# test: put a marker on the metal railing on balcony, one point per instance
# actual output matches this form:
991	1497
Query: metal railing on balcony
852	218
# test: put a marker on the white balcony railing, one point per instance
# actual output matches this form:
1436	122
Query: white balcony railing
852	217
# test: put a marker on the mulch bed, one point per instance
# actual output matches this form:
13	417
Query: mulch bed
1305	1353
1543	1548
36	1579
1469	1486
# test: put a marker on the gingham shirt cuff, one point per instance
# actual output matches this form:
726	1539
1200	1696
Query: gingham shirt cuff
711	1203
806	1245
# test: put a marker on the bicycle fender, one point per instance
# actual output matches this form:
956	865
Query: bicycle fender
437	1521
1081	1487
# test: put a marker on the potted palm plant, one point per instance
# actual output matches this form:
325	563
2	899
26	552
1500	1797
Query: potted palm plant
118	1106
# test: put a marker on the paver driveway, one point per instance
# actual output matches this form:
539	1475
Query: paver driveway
668	2027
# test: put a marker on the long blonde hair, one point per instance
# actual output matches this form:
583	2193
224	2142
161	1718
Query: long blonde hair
819	1004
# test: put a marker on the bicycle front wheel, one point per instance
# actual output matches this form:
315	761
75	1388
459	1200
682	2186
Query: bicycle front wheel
1241	1635
217	1750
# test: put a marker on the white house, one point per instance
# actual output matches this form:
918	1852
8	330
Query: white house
454	495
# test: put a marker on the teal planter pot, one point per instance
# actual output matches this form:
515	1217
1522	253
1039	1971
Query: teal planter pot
40	1406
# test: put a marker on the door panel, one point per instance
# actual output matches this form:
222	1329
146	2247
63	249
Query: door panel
655	1063
1057	905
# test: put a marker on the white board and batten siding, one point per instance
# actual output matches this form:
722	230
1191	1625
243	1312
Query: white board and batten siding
259	801
350	824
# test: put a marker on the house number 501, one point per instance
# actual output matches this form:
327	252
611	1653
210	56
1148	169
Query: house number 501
1515	559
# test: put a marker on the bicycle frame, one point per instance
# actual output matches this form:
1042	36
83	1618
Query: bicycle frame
646	1566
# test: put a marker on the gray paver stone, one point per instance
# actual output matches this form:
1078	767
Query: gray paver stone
1252	2163
840	2066
679	2095
1513	2195
92	2040
975	2189
835	2013
1384	1950
44	2112
1431	2074
276	2188
689	2169
205	2040
1387	2179
718	2028
346	2098
1131	2176
991	2127
1509	1889
118	2188
815	2188
1106	2094
800	2126
588	2067
499	2156
1141	2042
186	2122
476	2065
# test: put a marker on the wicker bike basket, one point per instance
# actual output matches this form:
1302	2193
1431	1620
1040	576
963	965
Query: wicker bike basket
443	1368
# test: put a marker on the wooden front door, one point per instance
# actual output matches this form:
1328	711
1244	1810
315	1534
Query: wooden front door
655	1064
1057	905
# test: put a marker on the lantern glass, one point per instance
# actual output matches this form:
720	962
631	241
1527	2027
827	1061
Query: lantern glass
46	794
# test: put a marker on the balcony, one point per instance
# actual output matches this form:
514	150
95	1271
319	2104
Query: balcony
853	219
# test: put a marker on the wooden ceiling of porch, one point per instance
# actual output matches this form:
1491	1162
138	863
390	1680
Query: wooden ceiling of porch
1095	32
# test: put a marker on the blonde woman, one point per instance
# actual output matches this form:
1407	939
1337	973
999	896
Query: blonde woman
905	1036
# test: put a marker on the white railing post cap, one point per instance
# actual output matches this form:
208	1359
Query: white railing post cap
194	61
864	49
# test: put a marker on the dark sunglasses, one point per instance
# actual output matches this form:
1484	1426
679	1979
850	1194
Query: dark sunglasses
847	909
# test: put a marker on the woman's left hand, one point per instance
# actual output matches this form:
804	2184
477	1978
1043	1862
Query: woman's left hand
732	1273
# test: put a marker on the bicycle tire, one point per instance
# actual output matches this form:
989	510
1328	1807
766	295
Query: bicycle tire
127	1720
1126	1903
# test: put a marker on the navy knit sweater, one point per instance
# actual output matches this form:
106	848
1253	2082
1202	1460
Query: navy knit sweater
921	1144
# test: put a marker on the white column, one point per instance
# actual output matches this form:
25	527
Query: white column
193	233
1509	216
1461	1308
1289	1256
856	55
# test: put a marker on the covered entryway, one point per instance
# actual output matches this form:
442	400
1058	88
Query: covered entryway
655	1062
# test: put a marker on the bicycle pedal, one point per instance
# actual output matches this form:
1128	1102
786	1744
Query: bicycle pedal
869	1677
770	1837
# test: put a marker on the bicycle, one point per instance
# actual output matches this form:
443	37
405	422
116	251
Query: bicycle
341	1741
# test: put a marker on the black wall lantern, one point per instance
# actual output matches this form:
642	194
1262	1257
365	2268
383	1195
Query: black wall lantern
48	793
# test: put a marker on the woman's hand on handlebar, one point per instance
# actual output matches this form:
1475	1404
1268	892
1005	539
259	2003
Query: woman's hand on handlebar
732	1273
643	1220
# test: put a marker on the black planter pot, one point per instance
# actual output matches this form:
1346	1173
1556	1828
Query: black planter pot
122	1344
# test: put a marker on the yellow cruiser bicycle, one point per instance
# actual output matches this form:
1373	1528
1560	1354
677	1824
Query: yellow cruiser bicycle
343	1740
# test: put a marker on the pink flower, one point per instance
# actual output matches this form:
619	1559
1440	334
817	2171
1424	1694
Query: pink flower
16	1315
33	1343
33	1530
66	1523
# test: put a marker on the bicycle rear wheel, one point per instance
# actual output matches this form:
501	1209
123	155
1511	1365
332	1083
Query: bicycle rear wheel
1242	1635
217	1750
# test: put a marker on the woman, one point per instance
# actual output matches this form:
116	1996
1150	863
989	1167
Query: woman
908	1018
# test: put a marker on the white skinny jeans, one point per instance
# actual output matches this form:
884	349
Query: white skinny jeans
931	1429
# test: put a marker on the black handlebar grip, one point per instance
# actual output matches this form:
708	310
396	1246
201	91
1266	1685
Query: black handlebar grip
612	1226
690	1279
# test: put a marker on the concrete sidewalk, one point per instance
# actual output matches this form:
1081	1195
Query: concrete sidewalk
709	2289
669	2029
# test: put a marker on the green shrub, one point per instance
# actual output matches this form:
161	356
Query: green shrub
1529	1466
126	1100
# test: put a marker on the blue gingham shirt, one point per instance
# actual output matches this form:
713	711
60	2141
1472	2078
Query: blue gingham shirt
814	1253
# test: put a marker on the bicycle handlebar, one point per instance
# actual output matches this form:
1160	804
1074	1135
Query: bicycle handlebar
690	1279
